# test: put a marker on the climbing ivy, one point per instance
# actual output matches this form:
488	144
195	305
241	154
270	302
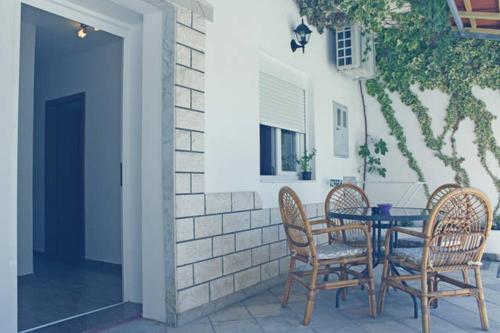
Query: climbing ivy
418	48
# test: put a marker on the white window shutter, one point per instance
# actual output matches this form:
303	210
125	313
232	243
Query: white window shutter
282	104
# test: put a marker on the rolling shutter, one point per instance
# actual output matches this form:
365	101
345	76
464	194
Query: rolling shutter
282	104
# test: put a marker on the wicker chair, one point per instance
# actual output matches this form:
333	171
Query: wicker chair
321	258
454	240
439	193
348	196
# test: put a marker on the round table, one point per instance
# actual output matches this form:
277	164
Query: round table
378	223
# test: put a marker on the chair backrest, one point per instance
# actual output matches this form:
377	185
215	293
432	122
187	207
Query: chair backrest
457	229
298	231
347	196
439	193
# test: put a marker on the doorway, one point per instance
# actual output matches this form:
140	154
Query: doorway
64	178
71	263
144	85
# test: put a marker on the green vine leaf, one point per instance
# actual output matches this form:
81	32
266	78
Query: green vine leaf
421	49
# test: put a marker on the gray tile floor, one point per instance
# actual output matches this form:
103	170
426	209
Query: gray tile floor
60	290
263	313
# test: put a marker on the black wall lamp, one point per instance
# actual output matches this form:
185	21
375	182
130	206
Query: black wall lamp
302	34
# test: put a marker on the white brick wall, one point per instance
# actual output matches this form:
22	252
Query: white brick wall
235	222
207	270
223	244
237	261
206	226
218	203
226	242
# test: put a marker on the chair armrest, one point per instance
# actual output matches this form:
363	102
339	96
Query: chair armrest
406	231
340	228
315	222
402	230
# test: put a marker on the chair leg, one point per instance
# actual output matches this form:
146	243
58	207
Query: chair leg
345	276
325	278
424	300
371	291
465	274
383	286
288	285
435	282
311	296
480	299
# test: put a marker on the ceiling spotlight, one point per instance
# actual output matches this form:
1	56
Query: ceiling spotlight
82	32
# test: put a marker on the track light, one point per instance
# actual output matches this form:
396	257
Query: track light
82	32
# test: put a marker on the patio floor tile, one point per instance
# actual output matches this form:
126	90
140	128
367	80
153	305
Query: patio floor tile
240	326
263	313
236	312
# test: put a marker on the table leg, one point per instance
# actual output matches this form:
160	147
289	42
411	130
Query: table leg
374	257
391	243
379	242
413	298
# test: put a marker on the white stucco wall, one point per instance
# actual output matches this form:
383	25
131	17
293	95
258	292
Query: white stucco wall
242	29
98	73
434	170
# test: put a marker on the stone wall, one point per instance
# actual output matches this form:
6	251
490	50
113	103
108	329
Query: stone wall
227	246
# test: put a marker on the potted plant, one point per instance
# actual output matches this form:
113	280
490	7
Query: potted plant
305	164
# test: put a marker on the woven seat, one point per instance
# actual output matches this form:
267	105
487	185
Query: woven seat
338	250
413	254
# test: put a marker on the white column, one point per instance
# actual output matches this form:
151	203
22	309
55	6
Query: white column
25	159
10	16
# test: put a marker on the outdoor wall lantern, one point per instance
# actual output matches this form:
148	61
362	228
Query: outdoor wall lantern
302	34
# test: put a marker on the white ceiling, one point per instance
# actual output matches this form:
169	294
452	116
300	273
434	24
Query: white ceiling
56	36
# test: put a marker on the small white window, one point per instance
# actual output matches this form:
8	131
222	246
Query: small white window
344	47
340	131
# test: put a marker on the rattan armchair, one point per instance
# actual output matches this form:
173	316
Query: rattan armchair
439	193
454	240
323	258
353	199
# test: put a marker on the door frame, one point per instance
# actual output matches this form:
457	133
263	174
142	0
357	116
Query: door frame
144	89
56	102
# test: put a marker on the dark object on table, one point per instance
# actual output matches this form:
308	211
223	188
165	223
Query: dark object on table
306	175
384	209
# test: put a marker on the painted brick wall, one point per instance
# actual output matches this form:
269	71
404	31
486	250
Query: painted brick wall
226	242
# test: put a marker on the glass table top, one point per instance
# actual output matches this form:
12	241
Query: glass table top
395	214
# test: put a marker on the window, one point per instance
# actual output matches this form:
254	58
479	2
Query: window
340	130
344	47
279	149
355	52
288	150
267	150
282	106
